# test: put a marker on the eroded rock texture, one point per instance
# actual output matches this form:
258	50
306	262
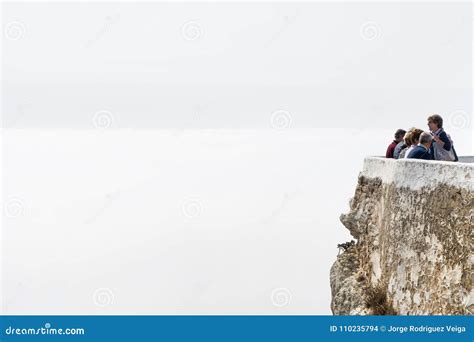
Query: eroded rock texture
414	244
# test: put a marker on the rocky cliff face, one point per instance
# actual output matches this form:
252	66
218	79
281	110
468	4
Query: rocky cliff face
413	222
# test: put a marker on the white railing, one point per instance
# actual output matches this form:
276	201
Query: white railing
414	173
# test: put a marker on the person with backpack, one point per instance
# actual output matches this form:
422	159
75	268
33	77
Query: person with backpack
442	146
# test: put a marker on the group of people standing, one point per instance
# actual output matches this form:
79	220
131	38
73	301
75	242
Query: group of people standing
418	144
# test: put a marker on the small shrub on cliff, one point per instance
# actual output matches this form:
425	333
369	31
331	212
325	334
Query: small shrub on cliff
378	302
345	246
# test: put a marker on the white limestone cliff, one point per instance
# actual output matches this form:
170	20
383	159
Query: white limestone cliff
413	221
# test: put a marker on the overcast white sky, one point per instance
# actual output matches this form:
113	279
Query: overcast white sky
156	64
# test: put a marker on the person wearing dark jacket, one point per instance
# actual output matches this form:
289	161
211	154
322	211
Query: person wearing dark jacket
399	134
422	150
440	137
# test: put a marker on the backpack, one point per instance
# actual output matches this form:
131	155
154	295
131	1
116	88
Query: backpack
441	154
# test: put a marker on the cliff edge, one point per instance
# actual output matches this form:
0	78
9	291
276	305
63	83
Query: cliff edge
413	222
